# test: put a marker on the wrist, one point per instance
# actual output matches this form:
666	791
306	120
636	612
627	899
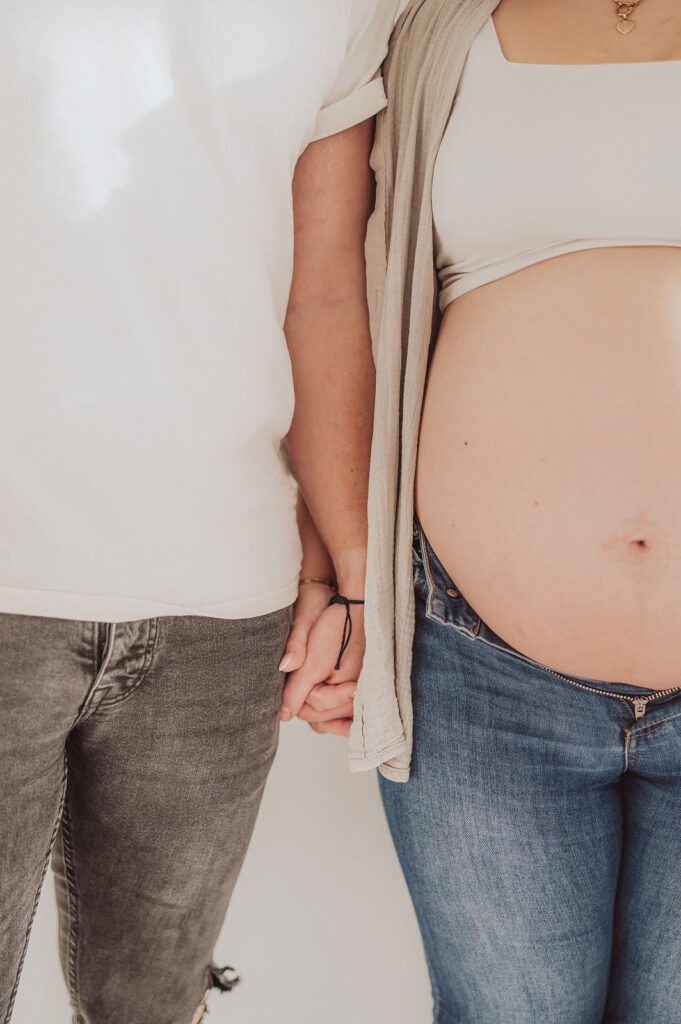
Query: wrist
317	584
352	585
321	569
350	564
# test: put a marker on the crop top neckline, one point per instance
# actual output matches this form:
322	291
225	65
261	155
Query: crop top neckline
532	167
491	29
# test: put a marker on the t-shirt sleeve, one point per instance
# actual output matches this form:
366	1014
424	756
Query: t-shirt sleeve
357	92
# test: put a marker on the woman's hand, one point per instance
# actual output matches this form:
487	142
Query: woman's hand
316	691
313	599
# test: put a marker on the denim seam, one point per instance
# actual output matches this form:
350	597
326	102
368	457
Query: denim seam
22	958
473	633
143	672
430	583
652	728
637	750
430	593
628	738
637	735
632	765
94	648
642	731
670	717
86	706
72	909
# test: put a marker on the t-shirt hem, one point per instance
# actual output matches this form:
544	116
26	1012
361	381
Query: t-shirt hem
103	608
360	105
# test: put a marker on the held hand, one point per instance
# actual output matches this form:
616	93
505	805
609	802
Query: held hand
317	692
339	727
330	708
313	599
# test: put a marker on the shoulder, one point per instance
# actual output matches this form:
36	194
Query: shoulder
362	14
436	30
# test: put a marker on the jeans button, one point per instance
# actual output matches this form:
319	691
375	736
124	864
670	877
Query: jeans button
452	593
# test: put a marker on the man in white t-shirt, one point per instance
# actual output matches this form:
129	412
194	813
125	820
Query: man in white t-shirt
155	325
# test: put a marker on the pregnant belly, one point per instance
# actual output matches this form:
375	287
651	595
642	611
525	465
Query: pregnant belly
549	471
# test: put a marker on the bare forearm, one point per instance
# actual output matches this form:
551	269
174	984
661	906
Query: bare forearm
317	562
327	329
330	437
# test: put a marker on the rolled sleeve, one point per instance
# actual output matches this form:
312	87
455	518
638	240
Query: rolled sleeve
357	92
365	102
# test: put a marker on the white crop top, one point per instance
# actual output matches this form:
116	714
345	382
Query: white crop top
544	159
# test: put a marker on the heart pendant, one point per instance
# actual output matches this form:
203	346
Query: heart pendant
625	27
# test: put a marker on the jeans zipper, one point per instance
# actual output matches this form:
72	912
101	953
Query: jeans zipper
640	704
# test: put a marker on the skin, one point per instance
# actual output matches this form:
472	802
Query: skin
549	473
315	636
327	331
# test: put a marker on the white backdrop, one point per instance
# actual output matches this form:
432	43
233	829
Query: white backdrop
321	927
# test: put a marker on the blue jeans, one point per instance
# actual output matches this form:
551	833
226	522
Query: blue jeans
540	831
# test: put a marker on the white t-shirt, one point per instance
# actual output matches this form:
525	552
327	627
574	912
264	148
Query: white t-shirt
146	241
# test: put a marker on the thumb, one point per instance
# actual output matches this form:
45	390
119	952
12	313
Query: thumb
296	647
298	686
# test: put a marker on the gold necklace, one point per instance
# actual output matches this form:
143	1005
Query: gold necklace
625	24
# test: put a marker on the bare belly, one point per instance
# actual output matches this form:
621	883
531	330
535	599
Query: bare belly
549	472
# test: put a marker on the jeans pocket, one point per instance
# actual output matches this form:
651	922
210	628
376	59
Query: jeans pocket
464	619
443	601
446	605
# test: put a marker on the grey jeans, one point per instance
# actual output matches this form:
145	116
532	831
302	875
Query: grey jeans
136	754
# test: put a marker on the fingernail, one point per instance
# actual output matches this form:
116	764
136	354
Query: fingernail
285	662
285	715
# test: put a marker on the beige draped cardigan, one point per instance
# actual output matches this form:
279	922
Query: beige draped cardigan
422	73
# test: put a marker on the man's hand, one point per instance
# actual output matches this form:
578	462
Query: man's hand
317	692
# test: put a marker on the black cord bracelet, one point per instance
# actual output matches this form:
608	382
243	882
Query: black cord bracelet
347	626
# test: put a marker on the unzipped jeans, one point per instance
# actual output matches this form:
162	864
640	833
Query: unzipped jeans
540	831
136	753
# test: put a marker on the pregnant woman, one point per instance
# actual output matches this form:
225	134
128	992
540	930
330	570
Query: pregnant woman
529	173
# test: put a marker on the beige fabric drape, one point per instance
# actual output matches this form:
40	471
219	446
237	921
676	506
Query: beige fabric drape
422	73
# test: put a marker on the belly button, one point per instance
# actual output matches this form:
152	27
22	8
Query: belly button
640	543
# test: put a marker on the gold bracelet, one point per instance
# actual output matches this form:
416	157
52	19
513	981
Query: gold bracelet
325	580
